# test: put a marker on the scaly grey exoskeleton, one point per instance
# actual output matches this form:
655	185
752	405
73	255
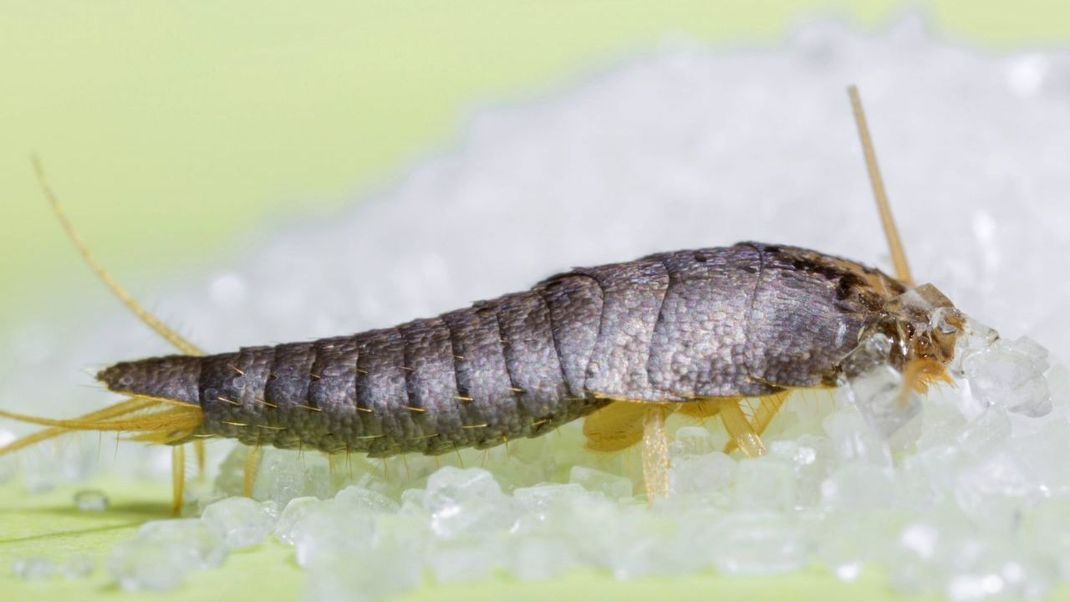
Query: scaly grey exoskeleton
622	344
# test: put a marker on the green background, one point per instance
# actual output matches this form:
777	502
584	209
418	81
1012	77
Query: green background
168	128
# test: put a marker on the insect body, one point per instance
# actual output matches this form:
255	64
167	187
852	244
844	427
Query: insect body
749	320
622	344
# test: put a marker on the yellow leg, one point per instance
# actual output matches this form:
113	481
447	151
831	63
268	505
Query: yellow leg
740	430
655	453
767	409
252	463
199	453
178	478
706	408
617	426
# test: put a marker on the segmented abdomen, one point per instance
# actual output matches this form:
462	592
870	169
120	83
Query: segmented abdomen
669	327
475	377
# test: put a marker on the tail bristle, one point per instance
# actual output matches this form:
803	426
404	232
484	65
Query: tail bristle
145	419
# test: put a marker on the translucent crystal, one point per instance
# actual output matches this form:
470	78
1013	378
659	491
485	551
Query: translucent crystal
91	500
281	475
361	499
994	478
466	559
242	522
328	531
33	569
989	429
880	396
296	510
655	544
466	501
758	544
706	473
197	544
853	440
613	486
363	575
872	352
1011	376
538	557
765	484
808	455
145	565
858	486
692	441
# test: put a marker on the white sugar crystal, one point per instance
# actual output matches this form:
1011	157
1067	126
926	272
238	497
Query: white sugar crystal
281	475
361	499
758	544
466	501
853	440
613	486
363	575
765	484
989	429
858	486
296	510
692	441
199	545
959	493
707	473
33	569
329	531
144	565
1011	376
539	557
880	396
466	559
91	500
241	522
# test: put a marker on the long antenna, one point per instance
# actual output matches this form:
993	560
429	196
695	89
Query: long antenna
124	297
895	246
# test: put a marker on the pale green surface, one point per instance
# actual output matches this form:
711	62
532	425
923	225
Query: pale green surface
168	130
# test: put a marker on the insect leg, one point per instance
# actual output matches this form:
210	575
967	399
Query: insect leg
655	452
617	426
178	478
252	462
767	409
707	408
199	454
740	429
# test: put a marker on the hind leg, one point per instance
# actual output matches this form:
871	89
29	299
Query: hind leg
746	435
617	426
178	478
252	463
621	425
655	453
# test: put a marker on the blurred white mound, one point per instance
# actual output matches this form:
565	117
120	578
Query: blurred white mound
684	146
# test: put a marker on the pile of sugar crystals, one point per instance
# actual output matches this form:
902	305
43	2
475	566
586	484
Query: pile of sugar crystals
961	492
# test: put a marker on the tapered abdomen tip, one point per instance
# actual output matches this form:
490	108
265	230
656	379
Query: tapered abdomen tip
173	377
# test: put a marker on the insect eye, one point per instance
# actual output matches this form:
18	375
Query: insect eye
126	380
